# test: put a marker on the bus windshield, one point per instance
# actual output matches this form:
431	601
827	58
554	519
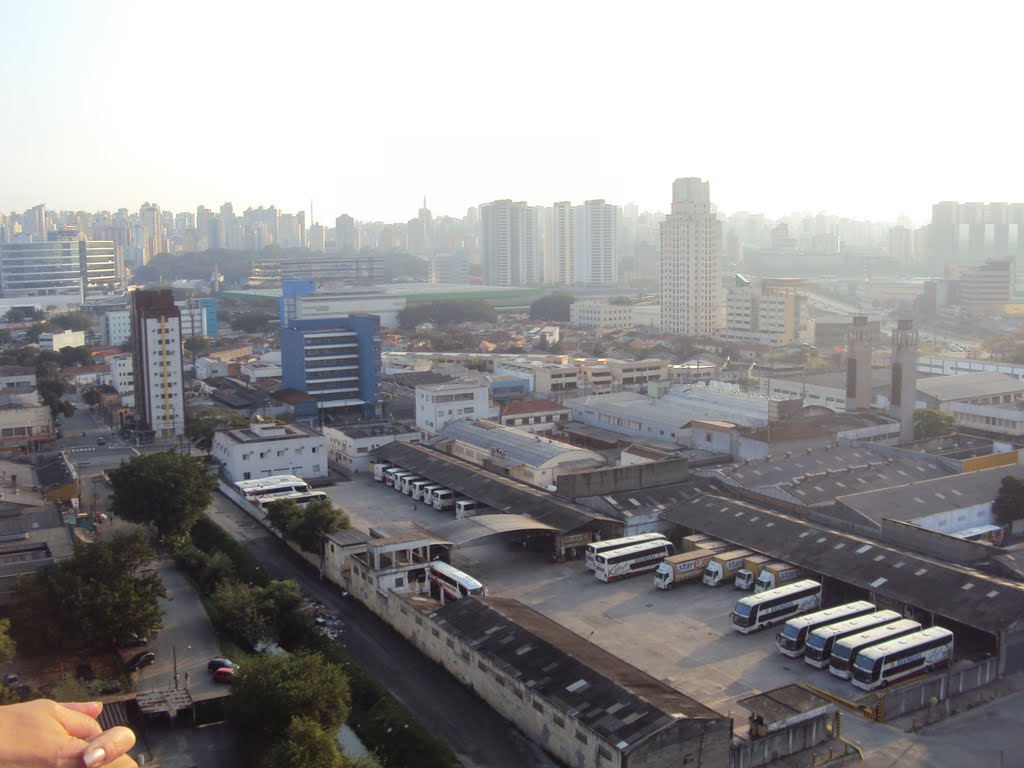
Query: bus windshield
742	609
816	641
791	631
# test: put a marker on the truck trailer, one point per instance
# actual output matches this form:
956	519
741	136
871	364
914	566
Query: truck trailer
776	574
747	575
684	567
723	566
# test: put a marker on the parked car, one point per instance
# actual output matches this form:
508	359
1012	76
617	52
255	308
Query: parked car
140	660
101	440
224	675
133	640
214	664
12	680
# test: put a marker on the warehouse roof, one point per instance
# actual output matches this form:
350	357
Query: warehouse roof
966	386
619	702
471	529
514	445
501	493
972	598
930	497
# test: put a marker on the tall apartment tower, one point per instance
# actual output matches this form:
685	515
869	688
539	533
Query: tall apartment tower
159	388
858	364
691	262
903	387
597	235
559	244
346	234
510	243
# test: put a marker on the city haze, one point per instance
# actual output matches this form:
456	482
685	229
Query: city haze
868	110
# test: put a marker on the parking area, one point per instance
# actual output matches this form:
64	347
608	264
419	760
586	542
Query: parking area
682	636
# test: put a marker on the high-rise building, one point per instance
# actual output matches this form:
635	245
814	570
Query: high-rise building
901	246
452	268
33	223
596	241
691	262
559	244
159	381
151	219
346	235
421	232
510	243
65	265
972	233
986	289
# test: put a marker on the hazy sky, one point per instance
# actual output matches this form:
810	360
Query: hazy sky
864	109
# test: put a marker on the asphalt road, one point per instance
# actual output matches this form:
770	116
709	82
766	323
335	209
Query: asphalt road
478	735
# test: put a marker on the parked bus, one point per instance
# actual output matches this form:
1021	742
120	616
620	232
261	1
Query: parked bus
792	640
845	651
272	485
893	660
407	482
452	583
421	488
444	498
756	612
596	548
821	641
389	475
396	477
632	560
379	469
468	507
299	497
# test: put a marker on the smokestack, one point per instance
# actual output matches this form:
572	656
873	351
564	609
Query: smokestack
858	364
903	385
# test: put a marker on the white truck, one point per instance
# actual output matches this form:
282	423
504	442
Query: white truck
776	574
751	569
683	567
723	566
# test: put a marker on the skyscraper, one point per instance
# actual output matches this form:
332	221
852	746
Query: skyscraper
597	230
510	243
691	262
149	216
346	235
559	244
156	338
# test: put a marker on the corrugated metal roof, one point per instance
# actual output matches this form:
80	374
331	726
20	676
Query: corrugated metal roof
964	386
511	444
621	703
470	529
501	493
972	598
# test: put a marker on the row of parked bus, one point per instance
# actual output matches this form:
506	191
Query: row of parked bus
425	490
854	641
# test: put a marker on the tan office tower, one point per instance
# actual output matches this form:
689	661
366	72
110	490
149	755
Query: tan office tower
691	262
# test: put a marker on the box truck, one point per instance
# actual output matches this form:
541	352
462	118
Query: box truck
776	574
723	566
684	567
751	569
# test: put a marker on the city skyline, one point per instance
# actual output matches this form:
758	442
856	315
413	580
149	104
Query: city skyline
364	110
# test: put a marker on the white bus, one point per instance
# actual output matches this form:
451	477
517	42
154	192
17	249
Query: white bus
443	498
821	641
274	484
632	560
792	640
845	651
389	475
379	469
421	489
598	547
407	482
774	605
299	497
452	583
893	660
468	507
394	477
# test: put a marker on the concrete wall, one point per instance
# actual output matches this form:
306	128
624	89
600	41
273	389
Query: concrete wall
933	543
917	695
613	479
260	516
778	745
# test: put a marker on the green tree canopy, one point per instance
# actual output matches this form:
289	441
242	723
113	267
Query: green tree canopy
23	314
1009	503
70	321
70	356
270	690
7	644
442	313
930	423
197	346
306	526
93	599
200	426
284	515
167	490
306	745
252	321
233	607
553	307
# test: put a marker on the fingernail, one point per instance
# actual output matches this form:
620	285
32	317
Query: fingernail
94	757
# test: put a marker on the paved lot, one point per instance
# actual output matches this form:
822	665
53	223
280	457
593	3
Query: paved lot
684	637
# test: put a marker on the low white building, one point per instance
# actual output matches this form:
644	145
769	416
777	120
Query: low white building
61	339
18	377
537	416
117	327
122	374
598	314
349	447
87	375
261	450
441	404
258	370
208	368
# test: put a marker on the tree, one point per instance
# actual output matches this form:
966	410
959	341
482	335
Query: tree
71	321
306	745
23	314
930	423
270	690
200	426
320	517
252	321
197	346
71	356
553	307
93	599
443	313
284	516
167	490
7	644
234	607
1009	503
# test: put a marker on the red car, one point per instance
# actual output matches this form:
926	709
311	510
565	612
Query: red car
224	675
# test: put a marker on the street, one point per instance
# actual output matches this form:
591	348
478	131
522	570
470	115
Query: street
478	735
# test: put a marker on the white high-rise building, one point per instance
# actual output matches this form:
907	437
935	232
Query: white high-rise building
691	262
559	244
510	243
596	240
158	376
